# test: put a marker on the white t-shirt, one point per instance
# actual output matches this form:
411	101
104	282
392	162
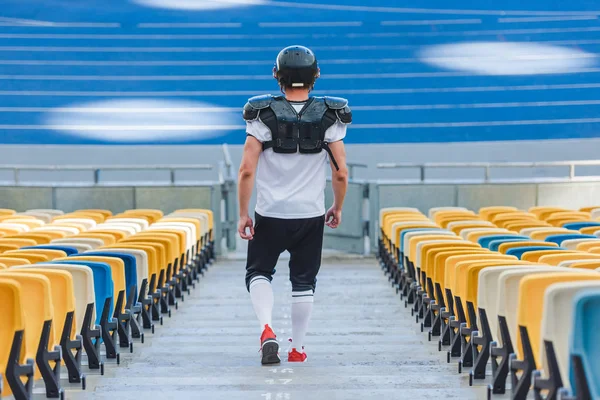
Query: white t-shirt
291	186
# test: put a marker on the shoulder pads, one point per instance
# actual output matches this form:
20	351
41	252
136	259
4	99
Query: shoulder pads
341	108
254	105
335	103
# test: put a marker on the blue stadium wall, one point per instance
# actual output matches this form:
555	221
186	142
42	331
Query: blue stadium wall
92	72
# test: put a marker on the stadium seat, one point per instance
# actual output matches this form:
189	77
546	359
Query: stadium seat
541	210
433	211
525	224
587	264
590	230
47	211
10	262
68	250
529	318
557	259
88	223
38	237
152	214
106	238
118	271
586	246
542	235
595	214
42	345
579	225
535	255
46	218
583	345
71	241
488	213
507	300
486	240
104	290
31	257
556	329
18	242
7	211
448	219
475	236
49	254
507	245
466	232
487	305
558	239
64	324
126	228
13	345
31	222
68	230
573	243
106	213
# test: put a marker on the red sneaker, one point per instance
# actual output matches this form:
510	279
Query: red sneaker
269	347
296	356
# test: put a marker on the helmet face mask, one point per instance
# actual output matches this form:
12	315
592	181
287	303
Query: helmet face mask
296	67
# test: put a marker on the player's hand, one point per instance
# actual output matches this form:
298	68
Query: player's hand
246	228
333	218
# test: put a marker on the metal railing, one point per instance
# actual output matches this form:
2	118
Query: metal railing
488	166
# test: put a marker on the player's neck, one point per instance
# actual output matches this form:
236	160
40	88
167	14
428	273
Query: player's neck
296	94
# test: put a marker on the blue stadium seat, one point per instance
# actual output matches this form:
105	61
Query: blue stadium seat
67	249
519	251
130	267
575	226
495	244
558	239
585	346
486	240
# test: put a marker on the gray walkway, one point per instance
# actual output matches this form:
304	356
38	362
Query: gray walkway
363	344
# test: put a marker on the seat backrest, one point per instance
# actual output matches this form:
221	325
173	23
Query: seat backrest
188	228
46	218
522	250
487	293
559	239
531	231
67	250
141	261
10	262
464	233
411	250
69	230
395	232
83	285
534	256
508	298
92	242
210	215
106	238
50	254
150	261
556	324
556	259
47	211
504	247
525	224
31	222
584	340
486	212
194	224
87	222
205	219
485	241
117	268
159	249
439	262
582	264
150	212
391	219
115	233
542	210
408	234
542	235
173	233
584	224
169	242
587	246
425	245
62	289
494	245
18	242
434	210
452	213
106	213
445	221
531	304
130	228
140	222
13	321
129	264
37	308
572	244
118	230
31	257
103	282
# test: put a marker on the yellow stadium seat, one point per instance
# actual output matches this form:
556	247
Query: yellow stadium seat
9	231
445	221
106	213
11	262
458	227
560	221
523	224
556	259
50	254
106	238
192	211
529	319
587	246
589	230
15	217
38	237
64	323
504	247
154	215
536	255
92	243
31	223
489	212
97	217
31	257
586	265
7	211
475	236
12	342
39	332
545	213
435	210
589	209
116	234
542	235
8	247
448	213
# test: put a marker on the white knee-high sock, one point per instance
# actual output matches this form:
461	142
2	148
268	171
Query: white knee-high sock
302	305
261	294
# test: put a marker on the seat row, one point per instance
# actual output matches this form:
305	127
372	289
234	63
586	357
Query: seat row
77	288
508	293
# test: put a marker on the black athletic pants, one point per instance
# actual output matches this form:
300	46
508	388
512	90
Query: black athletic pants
303	238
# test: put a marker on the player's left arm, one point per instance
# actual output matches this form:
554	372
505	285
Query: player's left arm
247	172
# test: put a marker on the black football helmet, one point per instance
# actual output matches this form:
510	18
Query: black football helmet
296	66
